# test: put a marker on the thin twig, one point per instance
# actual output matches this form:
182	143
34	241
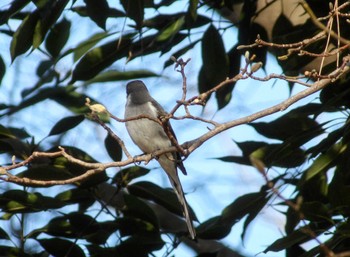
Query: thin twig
190	146
317	86
321	26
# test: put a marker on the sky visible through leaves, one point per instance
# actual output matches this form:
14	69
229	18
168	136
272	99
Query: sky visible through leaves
208	188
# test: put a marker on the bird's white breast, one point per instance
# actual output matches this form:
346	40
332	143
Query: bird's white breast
148	135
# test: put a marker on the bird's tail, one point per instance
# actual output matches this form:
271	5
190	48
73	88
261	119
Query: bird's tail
180	195
171	171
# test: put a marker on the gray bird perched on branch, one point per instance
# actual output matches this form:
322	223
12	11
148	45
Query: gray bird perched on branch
150	135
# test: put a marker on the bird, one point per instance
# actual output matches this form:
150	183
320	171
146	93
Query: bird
150	136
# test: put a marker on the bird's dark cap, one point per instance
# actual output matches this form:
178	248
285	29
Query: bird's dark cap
135	86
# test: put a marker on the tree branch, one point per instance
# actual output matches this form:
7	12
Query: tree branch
190	146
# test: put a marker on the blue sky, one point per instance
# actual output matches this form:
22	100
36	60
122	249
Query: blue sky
211	184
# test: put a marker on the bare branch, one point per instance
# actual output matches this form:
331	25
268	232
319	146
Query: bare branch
279	107
190	146
321	26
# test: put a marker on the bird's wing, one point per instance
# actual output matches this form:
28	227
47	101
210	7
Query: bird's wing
177	156
179	162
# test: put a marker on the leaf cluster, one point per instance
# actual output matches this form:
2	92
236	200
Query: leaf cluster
307	146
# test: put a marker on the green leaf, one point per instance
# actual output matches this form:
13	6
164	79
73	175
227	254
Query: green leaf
19	133
18	201
162	21
42	4
69	98
253	212
180	53
294	238
166	46
315	189
66	96
113	75
335	97
79	226
342	233
316	211
163	3
87	44
292	218
66	124
279	155
124	176
98	11
112	12
2	69
134	10
101	231
16	5
4	235
16	147
130	226
215	66
98	251
58	226
58	37
300	236
293	125
140	245
161	196
149	44
23	37
76	169
113	148
224	94
6	132
138	209
76	195
248	147
12	251
339	191
100	58
46	173
3	107
171	30
214	228
236	159
42	68
47	20
193	9
243	205
327	142
322	162
61	248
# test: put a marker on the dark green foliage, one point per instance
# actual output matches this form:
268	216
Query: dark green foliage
113	148
98	11
61	248
66	124
215	66
58	37
159	195
124	215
